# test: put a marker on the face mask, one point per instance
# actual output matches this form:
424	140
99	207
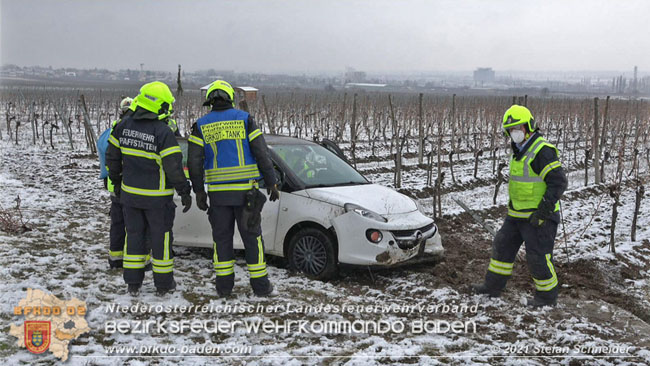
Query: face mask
517	136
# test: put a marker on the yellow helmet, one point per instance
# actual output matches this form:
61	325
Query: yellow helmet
221	85
518	115
155	97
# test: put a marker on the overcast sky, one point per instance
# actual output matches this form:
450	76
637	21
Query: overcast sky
328	35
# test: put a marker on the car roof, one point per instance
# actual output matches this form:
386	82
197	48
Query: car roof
285	140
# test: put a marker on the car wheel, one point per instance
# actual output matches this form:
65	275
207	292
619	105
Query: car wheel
311	251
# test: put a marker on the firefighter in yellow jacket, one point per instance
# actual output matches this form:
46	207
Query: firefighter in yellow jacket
537	181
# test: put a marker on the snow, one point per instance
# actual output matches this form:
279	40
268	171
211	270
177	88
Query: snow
66	254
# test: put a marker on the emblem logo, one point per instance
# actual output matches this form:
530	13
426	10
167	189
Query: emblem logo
418	235
37	336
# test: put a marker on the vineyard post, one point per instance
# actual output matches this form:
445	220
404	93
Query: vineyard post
420	131
596	156
353	130
603	138
453	136
90	133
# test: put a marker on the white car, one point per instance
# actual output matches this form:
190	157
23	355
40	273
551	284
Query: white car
328	214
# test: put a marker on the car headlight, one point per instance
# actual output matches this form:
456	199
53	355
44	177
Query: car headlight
363	212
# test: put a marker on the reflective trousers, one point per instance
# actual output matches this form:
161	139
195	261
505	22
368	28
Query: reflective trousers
157	223
117	234
222	219
539	255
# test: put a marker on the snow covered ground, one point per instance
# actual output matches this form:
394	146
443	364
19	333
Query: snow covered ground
605	298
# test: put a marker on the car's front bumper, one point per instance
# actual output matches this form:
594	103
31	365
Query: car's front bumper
404	237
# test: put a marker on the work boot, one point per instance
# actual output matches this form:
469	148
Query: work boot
483	289
164	291
134	289
224	285
115	264
536	302
267	292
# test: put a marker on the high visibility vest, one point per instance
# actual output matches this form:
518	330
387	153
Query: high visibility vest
525	187
228	159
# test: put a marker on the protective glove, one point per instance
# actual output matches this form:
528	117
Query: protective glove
544	212
117	189
273	192
202	200
186	201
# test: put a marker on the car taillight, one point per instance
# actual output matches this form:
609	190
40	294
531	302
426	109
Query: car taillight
374	236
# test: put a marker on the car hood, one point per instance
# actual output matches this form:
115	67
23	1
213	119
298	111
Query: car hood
379	199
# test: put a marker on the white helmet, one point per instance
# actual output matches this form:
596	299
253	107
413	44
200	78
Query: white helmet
125	103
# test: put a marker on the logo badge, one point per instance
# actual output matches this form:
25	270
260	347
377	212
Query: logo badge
37	336
418	235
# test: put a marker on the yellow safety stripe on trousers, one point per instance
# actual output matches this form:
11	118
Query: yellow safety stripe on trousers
260	250
163	266
147	192
224	265
171	150
132	265
152	156
255	134
195	139
548	284
258	274
519	214
224	272
114	141
231	187
499	267
225	268
256	267
166	246
115	254
549	167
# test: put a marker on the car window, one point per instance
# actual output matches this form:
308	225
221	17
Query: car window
316	166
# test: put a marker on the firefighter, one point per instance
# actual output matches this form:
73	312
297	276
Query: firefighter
228	149
145	164
117	232
537	181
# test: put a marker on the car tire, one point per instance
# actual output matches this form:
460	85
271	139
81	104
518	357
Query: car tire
312	252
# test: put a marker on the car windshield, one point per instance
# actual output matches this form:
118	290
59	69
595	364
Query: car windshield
316	166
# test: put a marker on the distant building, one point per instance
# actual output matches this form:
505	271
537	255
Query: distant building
483	75
364	86
354	76
247	93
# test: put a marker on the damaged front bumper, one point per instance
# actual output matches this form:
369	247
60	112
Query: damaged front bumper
404	236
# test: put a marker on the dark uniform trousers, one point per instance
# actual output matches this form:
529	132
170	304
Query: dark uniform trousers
156	223
222	219
117	234
539	255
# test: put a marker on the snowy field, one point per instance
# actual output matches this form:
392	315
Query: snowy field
604	299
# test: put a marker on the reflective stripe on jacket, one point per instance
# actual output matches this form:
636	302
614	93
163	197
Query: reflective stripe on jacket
525	187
